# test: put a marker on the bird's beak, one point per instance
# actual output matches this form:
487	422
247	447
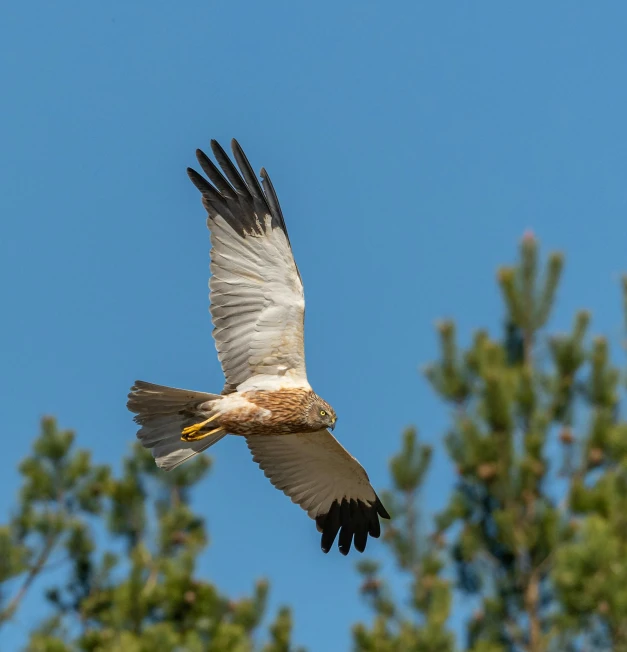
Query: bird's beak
333	424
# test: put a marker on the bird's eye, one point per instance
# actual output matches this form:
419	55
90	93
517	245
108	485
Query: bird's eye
323	413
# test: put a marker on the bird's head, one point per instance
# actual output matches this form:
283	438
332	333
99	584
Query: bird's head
321	414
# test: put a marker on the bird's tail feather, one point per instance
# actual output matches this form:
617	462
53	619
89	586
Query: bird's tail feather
163	413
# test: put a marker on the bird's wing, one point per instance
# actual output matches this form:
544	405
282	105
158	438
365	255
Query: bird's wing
256	293
321	476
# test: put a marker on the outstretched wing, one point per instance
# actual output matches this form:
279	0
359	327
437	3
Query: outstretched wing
321	476
256	293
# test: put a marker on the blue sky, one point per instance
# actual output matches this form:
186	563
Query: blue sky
411	144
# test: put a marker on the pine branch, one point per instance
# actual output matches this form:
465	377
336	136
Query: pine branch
49	546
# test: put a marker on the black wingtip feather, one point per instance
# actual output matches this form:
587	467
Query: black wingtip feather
361	539
354	520
359	519
208	167
207	191
381	510
232	174
329	523
346	533
247	170
197	179
236	195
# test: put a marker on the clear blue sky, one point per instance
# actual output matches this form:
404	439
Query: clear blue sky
411	145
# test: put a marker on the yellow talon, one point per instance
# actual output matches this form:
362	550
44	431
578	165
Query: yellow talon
192	433
200	435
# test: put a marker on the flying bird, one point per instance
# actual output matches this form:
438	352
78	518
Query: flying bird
257	307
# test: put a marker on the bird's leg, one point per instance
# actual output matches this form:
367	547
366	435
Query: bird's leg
193	432
201	435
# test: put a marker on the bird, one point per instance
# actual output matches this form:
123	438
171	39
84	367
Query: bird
257	307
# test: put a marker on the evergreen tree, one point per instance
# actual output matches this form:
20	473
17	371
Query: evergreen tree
420	624
507	401
129	549
535	531
537	520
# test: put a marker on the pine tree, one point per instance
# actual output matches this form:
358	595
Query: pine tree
420	624
130	546
537	520
506	404
535	531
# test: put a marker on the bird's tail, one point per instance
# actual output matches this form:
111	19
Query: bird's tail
166	415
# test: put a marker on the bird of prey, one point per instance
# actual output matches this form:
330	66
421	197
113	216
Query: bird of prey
257	308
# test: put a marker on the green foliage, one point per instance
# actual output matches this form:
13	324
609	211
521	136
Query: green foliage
537	521
534	532
513	532
421	626
129	548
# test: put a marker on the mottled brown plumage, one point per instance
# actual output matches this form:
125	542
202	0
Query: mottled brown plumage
258	308
284	411
264	412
